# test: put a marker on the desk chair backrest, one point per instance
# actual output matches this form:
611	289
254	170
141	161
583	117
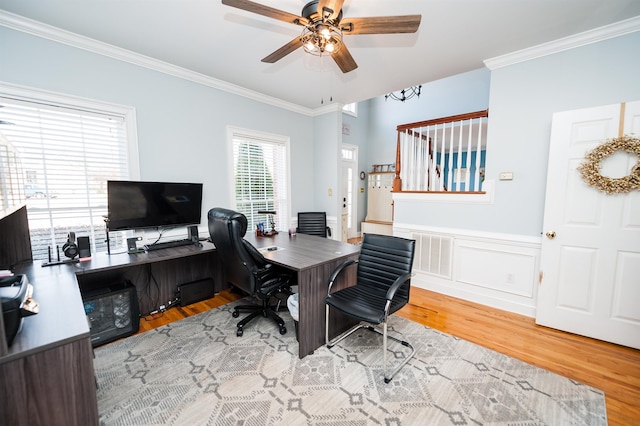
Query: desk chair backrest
383	259
240	260
313	223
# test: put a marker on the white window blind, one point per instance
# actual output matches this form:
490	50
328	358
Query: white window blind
261	178
65	157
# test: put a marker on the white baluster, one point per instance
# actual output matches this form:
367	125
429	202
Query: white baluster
478	154
467	179
442	157
450	162
459	162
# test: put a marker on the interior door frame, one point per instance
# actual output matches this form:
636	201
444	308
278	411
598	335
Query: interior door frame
352	231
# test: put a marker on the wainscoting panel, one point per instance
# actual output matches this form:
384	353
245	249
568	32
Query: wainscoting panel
495	266
498	270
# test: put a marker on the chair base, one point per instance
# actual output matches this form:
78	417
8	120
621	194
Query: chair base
385	336
265	310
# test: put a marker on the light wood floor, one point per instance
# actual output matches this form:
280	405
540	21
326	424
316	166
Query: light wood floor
611	368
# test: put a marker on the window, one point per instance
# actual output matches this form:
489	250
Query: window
351	109
66	149
261	176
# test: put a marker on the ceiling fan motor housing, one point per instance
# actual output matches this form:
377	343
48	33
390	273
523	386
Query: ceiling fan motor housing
311	12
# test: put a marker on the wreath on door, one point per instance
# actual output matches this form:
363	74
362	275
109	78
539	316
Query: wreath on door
590	168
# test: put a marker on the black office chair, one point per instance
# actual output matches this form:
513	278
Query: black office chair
313	223
383	281
245	268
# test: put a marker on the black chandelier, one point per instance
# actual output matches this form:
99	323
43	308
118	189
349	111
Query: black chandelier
405	94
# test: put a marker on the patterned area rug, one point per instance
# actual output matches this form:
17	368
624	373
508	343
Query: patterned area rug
197	372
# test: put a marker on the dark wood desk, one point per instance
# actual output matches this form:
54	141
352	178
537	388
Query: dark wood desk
166	268
313	259
47	376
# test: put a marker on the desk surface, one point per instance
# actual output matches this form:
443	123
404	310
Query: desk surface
104	262
313	259
62	318
302	251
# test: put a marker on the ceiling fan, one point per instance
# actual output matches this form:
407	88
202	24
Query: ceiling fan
323	28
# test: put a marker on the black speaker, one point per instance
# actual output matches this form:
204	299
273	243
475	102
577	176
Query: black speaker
84	247
132	246
70	249
193	233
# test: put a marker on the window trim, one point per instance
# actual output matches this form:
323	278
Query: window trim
350	109
128	113
59	100
233	132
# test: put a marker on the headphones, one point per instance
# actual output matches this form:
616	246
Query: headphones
70	249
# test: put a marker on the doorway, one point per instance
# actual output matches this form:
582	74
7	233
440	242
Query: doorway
590	259
348	193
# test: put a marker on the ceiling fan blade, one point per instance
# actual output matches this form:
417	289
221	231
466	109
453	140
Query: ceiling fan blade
344	59
267	11
335	6
381	25
284	50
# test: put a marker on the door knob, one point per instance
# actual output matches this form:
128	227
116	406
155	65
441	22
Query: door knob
551	235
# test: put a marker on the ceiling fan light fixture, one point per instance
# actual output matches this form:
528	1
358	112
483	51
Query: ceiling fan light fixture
321	38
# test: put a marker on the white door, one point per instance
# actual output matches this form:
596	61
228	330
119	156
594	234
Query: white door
590	258
348	204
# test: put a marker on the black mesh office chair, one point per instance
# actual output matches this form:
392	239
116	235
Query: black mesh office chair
383	281
313	223
245	268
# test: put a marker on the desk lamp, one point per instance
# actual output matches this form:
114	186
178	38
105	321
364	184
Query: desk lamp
272	222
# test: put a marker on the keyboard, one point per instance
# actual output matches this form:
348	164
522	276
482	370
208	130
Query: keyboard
167	244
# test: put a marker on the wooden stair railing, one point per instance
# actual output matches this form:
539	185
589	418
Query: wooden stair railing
414	130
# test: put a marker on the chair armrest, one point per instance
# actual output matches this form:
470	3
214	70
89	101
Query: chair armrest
392	291
338	270
396	285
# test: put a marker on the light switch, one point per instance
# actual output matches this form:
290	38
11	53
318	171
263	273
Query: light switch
330	192
506	176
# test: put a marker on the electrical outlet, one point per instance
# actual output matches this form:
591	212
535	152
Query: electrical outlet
506	176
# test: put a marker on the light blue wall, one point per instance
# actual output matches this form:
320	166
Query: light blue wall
459	94
326	158
359	136
522	100
181	124
524	97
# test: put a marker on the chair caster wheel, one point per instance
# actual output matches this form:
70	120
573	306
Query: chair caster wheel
235	314
283	330
239	332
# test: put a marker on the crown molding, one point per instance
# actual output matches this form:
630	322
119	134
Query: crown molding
571	42
48	32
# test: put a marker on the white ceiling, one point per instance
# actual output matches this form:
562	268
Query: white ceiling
227	44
